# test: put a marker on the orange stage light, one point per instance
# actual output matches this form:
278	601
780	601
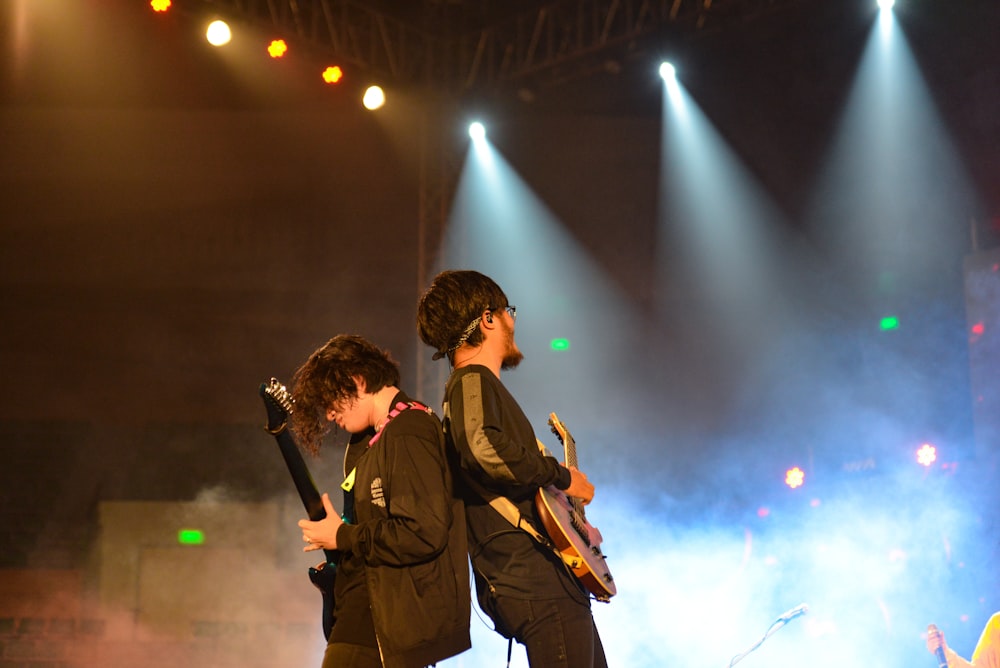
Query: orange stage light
160	5
333	74
277	48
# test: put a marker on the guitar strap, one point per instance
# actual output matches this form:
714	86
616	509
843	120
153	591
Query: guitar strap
400	406
509	511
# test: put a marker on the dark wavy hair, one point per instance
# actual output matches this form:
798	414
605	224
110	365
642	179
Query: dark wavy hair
328	376
451	304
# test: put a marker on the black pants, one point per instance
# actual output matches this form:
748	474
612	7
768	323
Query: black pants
557	633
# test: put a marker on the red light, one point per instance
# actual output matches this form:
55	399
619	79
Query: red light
277	48
976	332
160	5
333	74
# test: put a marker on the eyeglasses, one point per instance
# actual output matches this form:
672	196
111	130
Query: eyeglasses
510	309
471	328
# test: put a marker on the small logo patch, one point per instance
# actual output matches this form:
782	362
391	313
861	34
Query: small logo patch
377	497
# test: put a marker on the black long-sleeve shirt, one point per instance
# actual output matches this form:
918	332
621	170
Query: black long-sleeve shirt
405	556
496	446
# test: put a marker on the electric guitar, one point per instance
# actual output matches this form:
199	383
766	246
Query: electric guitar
279	405
567	526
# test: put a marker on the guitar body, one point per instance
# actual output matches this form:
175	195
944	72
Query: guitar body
577	540
324	576
279	406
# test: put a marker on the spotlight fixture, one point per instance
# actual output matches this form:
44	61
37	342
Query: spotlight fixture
667	71
477	131
332	74
926	455
277	48
795	477
218	33
886	5
374	98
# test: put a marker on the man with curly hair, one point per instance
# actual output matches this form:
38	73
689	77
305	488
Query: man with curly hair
402	587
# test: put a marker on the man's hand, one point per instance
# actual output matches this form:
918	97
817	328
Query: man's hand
321	535
579	486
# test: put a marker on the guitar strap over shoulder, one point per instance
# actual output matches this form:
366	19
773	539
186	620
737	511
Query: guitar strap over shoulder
510	512
400	406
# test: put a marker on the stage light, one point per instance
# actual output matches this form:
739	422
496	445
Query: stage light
559	344
976	331
218	33
190	536
333	74
889	322
668	72
160	5
795	477
277	48
926	454
477	131
374	98
886	5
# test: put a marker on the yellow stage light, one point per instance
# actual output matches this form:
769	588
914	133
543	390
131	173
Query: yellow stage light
277	48
333	74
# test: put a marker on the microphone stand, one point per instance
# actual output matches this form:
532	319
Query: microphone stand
775	626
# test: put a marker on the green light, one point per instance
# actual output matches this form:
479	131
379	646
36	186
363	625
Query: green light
889	322
190	536
559	344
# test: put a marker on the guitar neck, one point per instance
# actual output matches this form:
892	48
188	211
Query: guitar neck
304	484
279	405
569	447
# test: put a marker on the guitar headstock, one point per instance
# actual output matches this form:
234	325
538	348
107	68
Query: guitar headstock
562	433
560	430
279	404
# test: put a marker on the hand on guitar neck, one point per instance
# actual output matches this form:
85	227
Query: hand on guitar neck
321	534
579	486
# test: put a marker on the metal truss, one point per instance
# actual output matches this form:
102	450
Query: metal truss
555	37
531	43
350	30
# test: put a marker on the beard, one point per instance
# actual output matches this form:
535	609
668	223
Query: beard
512	355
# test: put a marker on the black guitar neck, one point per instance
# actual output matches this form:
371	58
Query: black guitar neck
303	481
278	409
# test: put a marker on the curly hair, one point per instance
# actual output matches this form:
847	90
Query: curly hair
448	311
329	376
